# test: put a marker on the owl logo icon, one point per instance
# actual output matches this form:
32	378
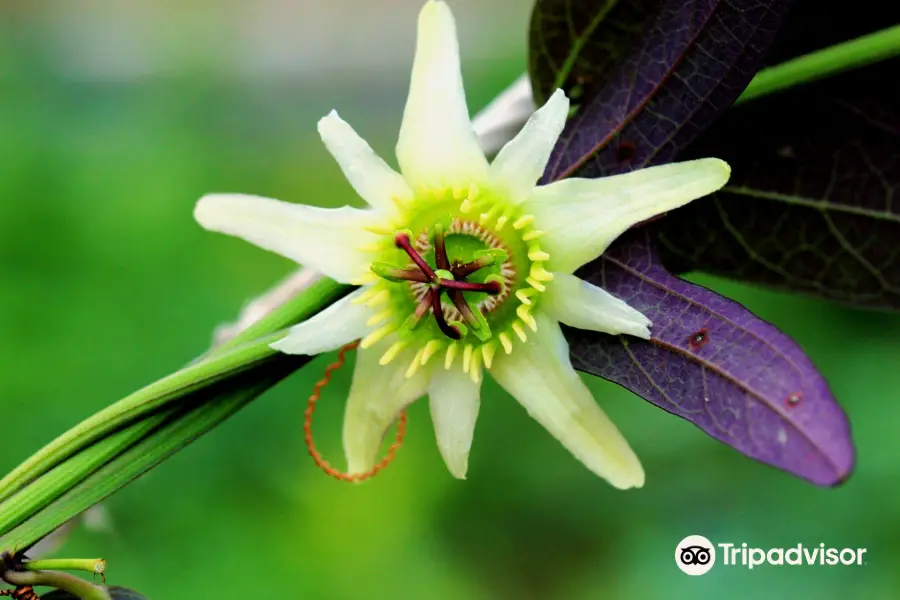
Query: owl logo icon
695	555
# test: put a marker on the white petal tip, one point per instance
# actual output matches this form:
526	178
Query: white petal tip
288	346
641	332
718	169
329	120
459	471
205	211
559	96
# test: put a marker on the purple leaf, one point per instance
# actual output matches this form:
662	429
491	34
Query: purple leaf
712	362
811	203
692	61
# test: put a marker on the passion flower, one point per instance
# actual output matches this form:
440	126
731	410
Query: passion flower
464	266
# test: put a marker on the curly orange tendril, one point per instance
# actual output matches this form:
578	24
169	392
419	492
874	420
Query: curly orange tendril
307	427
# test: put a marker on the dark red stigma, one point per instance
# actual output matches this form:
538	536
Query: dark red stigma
454	288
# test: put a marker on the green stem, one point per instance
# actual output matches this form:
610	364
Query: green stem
134	435
61	581
96	566
149	399
856	53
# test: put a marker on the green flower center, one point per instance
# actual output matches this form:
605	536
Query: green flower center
461	274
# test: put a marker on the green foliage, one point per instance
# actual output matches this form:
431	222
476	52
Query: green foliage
108	285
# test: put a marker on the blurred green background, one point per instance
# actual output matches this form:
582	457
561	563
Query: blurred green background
115	117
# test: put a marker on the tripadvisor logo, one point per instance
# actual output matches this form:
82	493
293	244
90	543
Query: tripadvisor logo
795	555
696	555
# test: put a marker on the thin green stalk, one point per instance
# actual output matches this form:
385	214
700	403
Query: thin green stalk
85	590
152	424
181	426
240	353
92	565
853	54
147	400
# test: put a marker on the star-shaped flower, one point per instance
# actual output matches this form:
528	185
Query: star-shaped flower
464	265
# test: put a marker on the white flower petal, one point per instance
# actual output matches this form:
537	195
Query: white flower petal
454	400
378	395
325	239
522	161
540	376
372	178
582	217
339	324
580	304
437	145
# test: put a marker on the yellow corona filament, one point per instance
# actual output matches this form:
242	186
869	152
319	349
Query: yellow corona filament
523	312
374	337
537	255
524	295
372	248
414	365
467	357
380	297
539	273
367	279
367	295
451	355
473	192
383	228
430	350
487	353
506	342
475	371
392	352
459	193
439	193
536	284
517	327
523	221
379	317
466	206
403	203
533	235
501	222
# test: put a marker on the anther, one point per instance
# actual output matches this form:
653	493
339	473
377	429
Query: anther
476	321
397	274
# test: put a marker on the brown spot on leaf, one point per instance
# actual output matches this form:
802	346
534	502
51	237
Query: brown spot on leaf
698	339
626	151
794	399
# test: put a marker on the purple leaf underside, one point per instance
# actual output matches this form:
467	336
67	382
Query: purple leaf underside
811	206
693	61
712	362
